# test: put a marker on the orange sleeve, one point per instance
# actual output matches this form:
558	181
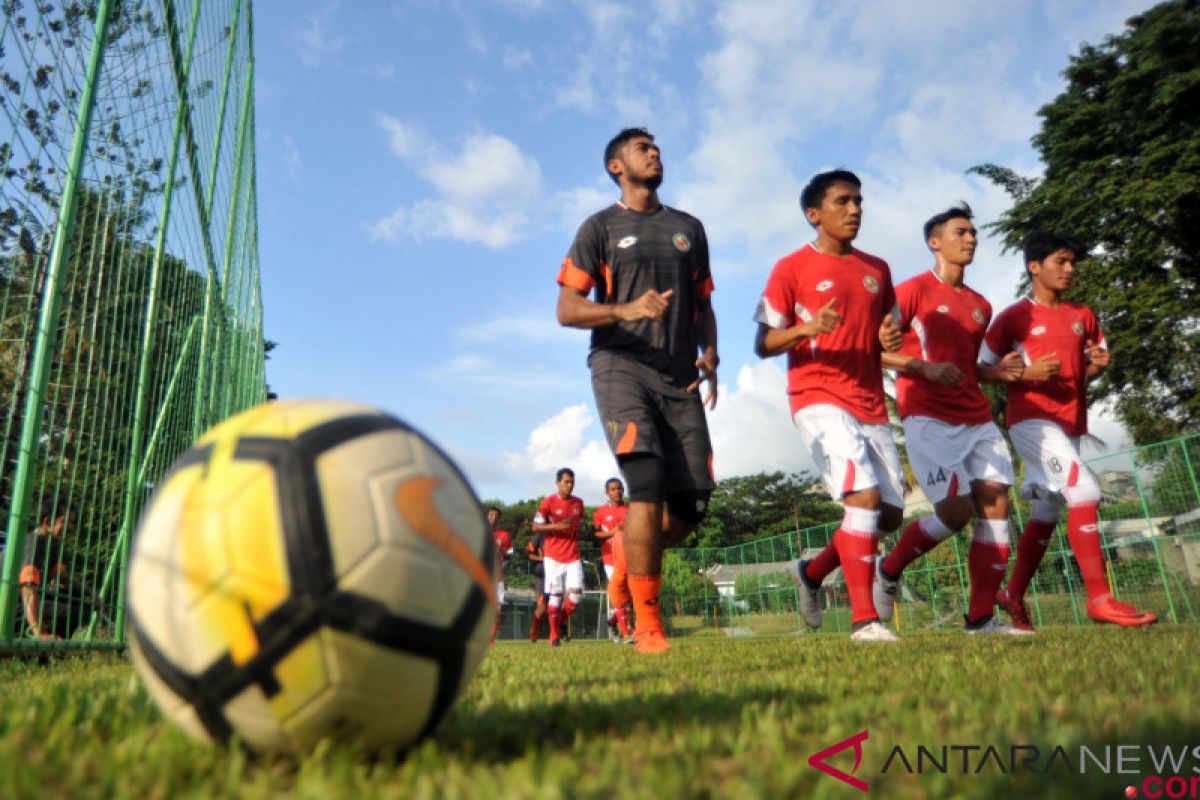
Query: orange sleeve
30	576
573	276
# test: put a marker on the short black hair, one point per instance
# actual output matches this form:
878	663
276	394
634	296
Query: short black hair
617	142
611	481
934	224
558	476
814	192
1038	244
494	508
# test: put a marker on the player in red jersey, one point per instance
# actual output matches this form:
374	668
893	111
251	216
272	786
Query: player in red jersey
535	551
827	306
954	448
1063	349
504	549
609	525
654	342
558	517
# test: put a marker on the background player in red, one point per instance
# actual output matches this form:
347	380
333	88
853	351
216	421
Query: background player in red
954	448
825	305
609	525
1063	349
558	517
654	341
535	551
504	549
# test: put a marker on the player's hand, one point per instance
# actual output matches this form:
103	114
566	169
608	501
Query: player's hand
1045	368
942	372
707	364
826	319
890	334
1011	367
652	305
1096	355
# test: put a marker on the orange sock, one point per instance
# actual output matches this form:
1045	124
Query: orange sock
644	589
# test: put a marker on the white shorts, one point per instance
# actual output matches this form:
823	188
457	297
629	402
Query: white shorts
945	457
499	593
851	455
563	575
608	571
1052	460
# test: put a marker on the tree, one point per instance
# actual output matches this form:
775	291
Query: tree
1121	147
766	504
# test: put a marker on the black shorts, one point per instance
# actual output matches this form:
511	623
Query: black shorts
539	586
644	415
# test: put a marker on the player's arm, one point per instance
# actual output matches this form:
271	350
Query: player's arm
576	310
707	363
1009	369
943	372
769	341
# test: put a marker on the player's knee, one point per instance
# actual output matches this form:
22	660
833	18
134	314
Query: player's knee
890	518
956	512
643	477
1085	494
689	507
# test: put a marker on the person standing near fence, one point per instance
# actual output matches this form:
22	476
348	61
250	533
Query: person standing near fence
558	517
1063	349
535	551
955	450
654	342
609	525
827	306
51	600
504	549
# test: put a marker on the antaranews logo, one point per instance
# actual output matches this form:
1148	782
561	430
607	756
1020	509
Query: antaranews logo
1174	769
818	760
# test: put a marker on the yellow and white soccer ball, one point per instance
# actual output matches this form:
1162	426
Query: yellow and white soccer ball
311	569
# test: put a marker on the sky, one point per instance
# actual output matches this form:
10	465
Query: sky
423	166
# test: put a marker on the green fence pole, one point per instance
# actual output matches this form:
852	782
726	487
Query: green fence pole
31	422
1162	571
135	490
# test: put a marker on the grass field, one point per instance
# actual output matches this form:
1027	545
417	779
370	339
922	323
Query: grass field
716	717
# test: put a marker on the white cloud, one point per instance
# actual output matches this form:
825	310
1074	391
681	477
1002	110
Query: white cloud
560	442
495	376
316	43
515	59
485	193
292	161
542	328
751	427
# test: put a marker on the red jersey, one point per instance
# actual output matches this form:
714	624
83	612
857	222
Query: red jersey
562	546
606	518
504	547
842	367
942	323
1035	330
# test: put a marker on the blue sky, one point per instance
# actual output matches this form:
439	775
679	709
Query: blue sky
423	166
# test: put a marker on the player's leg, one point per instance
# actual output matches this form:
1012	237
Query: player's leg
556	573
539	608
499	608
618	586
574	590
935	453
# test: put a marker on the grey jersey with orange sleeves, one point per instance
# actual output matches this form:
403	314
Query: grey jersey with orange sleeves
622	254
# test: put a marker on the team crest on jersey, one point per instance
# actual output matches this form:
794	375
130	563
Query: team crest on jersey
1077	326
1038	331
977	315
824	286
943	309
628	241
681	242
871	284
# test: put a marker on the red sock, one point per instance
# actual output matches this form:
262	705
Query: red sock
914	542
644	589
568	608
857	554
623	621
825	562
987	561
1030	549
1083	533
495	627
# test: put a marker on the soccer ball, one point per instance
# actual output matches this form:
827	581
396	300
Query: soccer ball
311	569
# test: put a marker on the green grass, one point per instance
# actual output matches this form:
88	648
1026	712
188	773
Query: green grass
716	717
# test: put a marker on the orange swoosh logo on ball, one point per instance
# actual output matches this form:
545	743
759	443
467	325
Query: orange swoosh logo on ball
414	500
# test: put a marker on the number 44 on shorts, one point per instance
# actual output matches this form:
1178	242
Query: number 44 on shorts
939	477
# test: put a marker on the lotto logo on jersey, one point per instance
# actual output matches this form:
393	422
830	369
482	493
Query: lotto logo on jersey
1038	331
871	284
943	309
681	243
977	315
1077	326
628	241
824	286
